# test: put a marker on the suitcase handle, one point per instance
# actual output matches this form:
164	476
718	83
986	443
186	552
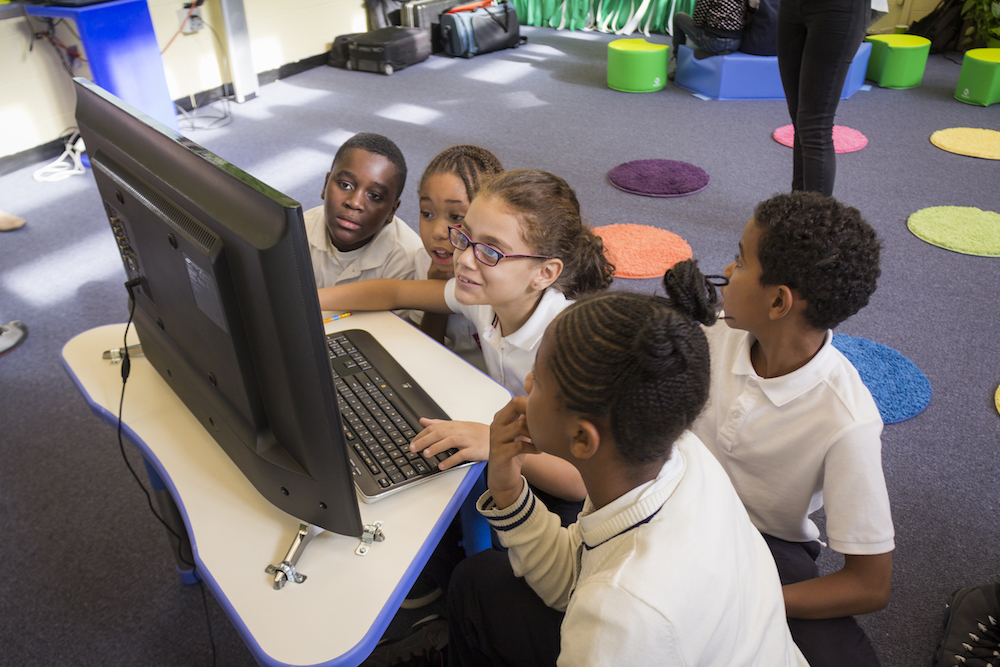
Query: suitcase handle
470	7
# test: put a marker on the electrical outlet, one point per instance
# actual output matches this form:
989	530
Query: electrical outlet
190	24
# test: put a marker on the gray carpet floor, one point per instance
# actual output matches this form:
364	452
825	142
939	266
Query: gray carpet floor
90	579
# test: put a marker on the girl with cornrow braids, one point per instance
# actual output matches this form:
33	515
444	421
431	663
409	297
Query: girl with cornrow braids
663	565
449	183
523	253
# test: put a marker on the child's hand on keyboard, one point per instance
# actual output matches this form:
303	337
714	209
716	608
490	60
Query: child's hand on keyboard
471	439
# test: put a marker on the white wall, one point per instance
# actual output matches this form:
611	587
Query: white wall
36	94
903	12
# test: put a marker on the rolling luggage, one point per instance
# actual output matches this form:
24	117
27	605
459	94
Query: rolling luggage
484	30
426	14
388	49
339	54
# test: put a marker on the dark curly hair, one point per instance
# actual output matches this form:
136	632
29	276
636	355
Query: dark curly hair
379	145
636	364
822	249
549	213
469	163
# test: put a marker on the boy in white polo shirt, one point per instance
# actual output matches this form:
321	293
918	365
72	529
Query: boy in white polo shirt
355	235
792	423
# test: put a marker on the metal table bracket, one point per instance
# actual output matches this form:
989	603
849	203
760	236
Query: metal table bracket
285	570
373	533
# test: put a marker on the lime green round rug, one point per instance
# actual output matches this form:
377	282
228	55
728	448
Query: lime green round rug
964	229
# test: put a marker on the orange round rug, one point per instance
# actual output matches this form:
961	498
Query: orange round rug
642	251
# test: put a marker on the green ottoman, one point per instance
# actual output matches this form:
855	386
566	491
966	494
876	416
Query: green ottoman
898	61
636	66
979	82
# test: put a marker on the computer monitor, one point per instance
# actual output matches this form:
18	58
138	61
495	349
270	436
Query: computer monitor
226	306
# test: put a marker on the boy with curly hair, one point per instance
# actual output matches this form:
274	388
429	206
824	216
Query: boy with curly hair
791	421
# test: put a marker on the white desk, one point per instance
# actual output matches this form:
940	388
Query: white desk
339	613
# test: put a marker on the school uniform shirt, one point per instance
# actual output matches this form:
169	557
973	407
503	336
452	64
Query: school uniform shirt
460	334
795	443
671	573
389	254
509	359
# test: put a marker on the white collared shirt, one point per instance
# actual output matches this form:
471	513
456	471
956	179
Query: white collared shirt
798	442
670	573
509	359
388	255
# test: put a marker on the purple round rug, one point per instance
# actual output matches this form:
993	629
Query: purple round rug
659	178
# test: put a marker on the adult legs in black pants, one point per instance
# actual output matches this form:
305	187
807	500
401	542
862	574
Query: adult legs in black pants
494	618
817	41
829	642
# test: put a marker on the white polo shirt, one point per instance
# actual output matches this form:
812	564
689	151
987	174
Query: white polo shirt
388	255
795	443
509	359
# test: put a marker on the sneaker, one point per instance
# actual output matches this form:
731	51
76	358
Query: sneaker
12	334
971	628
423	592
425	644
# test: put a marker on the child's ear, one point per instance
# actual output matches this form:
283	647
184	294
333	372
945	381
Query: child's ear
547	273
782	302
326	182
587	439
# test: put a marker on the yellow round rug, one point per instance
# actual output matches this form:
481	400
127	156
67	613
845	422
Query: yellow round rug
971	141
996	399
963	229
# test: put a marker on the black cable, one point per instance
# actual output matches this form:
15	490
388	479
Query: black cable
126	369
208	619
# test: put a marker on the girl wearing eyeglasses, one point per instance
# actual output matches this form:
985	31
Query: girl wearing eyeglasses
522	255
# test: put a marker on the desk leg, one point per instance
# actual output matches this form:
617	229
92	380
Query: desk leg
172	517
476	535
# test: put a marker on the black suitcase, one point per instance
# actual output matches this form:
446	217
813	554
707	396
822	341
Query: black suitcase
426	14
486	29
388	49
340	54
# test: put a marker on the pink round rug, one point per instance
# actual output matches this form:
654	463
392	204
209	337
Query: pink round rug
845	140
642	251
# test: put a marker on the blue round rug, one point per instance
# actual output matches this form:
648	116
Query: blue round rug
899	388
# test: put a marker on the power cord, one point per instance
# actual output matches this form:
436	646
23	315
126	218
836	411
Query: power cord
126	368
70	163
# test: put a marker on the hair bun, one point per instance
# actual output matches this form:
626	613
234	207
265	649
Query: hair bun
661	344
690	292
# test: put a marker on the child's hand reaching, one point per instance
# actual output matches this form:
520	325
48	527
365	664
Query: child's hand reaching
472	440
509	443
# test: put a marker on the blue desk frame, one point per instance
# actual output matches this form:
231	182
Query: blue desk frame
122	52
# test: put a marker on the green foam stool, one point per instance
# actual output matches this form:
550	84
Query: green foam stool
636	66
979	82
898	61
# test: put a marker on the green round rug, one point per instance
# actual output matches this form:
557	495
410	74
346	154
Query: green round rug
963	229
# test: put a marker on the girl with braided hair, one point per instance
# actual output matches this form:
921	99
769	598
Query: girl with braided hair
523	254
449	183
663	565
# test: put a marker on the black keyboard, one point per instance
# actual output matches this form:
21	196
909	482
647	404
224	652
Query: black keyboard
381	406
